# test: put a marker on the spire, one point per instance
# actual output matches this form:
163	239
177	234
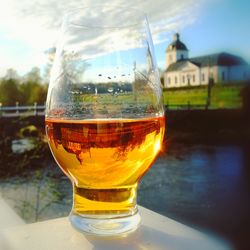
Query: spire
177	44
176	37
176	51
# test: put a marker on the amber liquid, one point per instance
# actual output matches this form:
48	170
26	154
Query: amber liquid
105	159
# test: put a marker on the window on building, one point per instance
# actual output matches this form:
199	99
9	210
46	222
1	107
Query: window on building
223	76
203	77
245	75
183	79
182	56
193	78
169	80
176	80
188	80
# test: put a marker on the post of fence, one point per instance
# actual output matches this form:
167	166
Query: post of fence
1	109
35	109
17	108
167	106
206	106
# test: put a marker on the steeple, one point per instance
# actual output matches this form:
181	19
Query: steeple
177	44
176	50
176	37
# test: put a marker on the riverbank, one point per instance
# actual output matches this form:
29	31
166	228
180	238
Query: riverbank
184	126
217	127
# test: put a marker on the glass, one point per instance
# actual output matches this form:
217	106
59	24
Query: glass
104	114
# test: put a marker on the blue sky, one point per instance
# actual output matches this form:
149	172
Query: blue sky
221	25
28	28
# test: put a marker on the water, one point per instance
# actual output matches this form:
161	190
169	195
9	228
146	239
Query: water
198	177
207	187
20	146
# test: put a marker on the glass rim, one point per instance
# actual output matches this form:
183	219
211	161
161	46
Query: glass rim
68	18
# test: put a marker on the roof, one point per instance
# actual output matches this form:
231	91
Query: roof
176	66
220	59
176	44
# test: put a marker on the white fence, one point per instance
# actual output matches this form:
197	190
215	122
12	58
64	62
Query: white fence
15	111
38	110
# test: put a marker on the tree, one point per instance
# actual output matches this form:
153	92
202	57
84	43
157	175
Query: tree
39	94
33	76
9	92
32	90
26	91
11	74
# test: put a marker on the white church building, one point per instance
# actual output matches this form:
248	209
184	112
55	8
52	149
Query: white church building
182	71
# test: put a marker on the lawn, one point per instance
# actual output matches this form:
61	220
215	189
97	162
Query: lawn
228	96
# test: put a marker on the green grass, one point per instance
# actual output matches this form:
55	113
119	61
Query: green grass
221	96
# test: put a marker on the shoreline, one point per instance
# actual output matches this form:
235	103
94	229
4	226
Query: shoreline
225	123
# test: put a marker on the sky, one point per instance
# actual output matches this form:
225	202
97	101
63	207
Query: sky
28	28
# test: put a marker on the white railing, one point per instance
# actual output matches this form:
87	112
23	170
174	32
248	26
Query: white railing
14	111
38	110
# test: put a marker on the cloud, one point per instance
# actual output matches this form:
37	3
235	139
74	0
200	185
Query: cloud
36	23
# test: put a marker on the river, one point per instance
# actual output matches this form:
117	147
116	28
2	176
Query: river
205	186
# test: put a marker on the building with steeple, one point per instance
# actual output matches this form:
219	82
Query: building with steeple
176	51
182	71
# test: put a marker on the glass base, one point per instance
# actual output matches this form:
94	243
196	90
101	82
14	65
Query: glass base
105	227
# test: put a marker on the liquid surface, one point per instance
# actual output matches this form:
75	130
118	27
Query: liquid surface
103	154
